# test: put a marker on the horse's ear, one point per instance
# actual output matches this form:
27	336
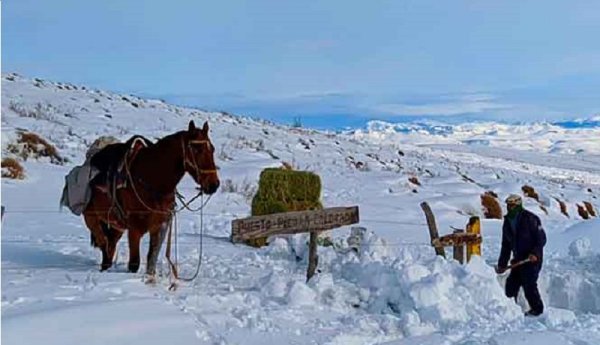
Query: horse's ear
191	126
205	127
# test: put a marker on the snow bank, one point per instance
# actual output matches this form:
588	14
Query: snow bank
581	247
585	229
426	296
573	289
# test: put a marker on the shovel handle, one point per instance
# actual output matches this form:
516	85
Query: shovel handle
516	264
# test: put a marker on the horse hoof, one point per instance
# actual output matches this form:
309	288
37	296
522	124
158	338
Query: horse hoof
133	268
104	267
150	280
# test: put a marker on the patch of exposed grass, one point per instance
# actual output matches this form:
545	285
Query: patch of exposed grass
31	145
11	168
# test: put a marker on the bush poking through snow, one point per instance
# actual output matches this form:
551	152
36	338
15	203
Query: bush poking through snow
11	168
530	192
223	155
491	206
590	208
31	145
38	111
563	207
245	188
583	213
414	180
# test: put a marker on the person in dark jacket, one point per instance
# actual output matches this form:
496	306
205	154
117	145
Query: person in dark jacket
524	238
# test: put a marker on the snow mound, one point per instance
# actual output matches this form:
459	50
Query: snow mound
427	296
300	294
573	289
534	338
581	247
435	295
554	317
585	230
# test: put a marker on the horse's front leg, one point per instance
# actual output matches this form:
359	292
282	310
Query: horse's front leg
134	236
156	240
112	235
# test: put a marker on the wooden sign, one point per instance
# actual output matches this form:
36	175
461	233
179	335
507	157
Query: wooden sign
292	223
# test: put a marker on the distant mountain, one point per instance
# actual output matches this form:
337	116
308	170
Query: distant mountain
569	137
593	122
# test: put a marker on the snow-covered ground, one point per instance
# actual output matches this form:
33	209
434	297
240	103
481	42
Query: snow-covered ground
393	291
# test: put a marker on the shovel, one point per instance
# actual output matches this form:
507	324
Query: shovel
513	265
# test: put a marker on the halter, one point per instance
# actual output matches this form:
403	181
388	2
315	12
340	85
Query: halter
193	162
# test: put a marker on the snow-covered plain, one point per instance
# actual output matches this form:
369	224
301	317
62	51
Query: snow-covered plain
392	291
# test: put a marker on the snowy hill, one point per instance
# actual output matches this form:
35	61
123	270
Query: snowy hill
393	291
578	136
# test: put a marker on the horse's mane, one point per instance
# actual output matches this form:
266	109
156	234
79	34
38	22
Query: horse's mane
169	137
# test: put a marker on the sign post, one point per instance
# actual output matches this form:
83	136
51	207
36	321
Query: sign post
294	223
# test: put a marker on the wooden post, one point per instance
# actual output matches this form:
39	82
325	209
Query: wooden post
433	231
474	227
313	258
459	250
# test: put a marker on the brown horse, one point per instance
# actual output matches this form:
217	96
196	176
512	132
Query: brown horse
148	198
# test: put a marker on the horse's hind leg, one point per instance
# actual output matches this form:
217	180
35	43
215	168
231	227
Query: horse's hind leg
156	240
134	237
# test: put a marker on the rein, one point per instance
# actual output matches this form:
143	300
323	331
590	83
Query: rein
173	266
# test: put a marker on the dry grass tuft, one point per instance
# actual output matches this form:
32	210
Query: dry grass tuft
563	207
590	208
414	180
530	192
583	213
491	206
11	168
31	145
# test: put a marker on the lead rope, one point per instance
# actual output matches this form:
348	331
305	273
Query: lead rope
173	266
173	223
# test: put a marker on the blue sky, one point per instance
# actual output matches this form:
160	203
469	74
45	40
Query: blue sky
332	63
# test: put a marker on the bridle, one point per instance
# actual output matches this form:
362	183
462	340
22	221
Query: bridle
192	163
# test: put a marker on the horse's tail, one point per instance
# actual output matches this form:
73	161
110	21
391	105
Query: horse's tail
93	241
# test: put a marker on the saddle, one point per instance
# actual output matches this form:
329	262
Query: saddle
111	164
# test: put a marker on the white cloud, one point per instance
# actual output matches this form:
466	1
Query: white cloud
468	104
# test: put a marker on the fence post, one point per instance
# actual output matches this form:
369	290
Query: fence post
433	231
313	258
474	227
459	250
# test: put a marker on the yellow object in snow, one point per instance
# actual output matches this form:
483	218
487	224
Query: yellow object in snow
474	227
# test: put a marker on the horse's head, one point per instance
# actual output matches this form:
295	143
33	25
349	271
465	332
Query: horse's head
198	158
